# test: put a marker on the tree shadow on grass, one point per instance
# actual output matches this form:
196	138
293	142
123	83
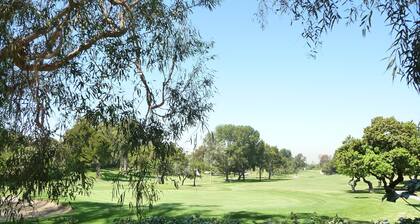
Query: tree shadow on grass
109	175
89	212
180	210
366	191
255	217
257	180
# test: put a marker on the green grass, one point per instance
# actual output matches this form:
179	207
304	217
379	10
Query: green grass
250	201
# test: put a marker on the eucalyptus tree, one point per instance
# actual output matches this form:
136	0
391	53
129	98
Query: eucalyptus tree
318	17
241	144
299	161
288	165
181	167
272	160
118	61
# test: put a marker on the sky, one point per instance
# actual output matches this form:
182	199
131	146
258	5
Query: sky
265	78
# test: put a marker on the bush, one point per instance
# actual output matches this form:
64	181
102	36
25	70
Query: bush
293	219
181	220
408	221
329	168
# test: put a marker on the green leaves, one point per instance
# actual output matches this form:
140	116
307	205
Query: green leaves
139	65
388	151
319	17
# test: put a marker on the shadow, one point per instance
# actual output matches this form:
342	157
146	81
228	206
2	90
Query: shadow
360	197
366	191
108	175
255	217
92	212
88	212
257	180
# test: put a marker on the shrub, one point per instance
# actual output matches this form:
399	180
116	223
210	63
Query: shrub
177	220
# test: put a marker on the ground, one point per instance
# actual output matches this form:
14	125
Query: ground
270	200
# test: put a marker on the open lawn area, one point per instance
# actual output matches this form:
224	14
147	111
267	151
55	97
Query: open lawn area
251	201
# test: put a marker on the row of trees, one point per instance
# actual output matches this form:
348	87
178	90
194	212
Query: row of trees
236	149
229	150
98	146
388	151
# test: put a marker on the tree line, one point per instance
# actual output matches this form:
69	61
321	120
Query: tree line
229	150
236	149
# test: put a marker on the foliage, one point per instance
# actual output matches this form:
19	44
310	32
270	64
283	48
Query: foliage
299	161
329	168
271	159
92	146
349	160
408	221
118	62
319	17
234	148
391	153
388	151
183	220
327	164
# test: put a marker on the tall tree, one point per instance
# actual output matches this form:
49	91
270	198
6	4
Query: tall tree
300	161
65	59
272	159
92	145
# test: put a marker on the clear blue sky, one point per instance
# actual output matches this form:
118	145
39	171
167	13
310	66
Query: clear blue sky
266	79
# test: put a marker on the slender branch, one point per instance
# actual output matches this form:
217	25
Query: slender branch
76	52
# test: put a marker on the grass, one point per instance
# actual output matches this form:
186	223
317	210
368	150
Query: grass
251	201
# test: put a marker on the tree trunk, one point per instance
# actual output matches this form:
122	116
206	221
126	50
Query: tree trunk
269	173
226	176
243	175
353	183
195	176
98	169
260	171
162	178
124	163
395	182
369	184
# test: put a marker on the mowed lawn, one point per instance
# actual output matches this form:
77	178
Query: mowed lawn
268	201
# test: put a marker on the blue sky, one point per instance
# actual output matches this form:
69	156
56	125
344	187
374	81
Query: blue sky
266	79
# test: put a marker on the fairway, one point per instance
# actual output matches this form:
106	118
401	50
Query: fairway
270	200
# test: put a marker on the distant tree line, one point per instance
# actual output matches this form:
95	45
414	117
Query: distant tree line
237	149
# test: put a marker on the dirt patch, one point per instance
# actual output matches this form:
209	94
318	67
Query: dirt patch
40	208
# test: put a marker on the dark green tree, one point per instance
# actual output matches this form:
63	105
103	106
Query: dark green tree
272	160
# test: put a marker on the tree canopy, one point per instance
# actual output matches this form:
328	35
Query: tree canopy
112	61
387	151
